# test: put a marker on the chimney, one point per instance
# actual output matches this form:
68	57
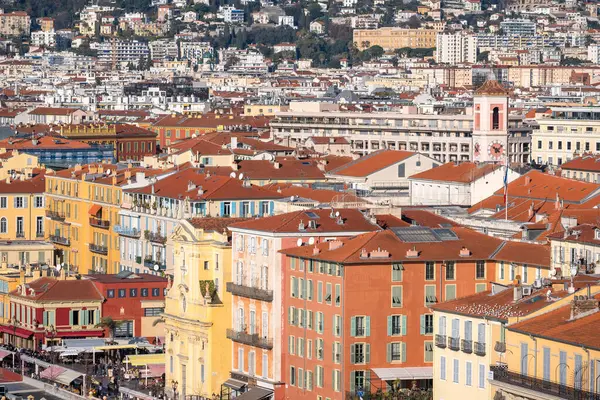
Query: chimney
517	293
530	212
582	306
557	202
235	166
527	180
412	253
234	142
277	165
464	252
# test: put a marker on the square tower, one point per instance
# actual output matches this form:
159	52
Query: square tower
490	123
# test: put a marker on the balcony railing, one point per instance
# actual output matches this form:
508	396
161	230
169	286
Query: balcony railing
249	339
502	374
479	349
466	346
55	215
40	235
360	331
99	249
250	292
453	343
440	341
99	223
150	262
59	240
500	347
155	237
20	235
125	231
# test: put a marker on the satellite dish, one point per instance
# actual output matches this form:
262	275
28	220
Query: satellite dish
299	242
156	267
59	267
311	241
292	198
241	176
108	171
337	213
232	175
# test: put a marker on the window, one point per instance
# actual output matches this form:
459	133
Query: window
443	368
132	292
429	271
226	209
427	324
319	372
396	325
328	293
480	270
401	170
144	292
539	144
360	353
292	376
153	311
450	292
20	227
430	297
20	202
468	374
455	370
360	326
39	202
546	364
550	145
122	293
482	376
110	293
3	202
396	296
3	225
397	272
495	118
394	352
450	271
428	351
155	292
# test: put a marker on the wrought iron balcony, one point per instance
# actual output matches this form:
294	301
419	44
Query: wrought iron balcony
55	215
40	235
20	235
59	240
440	341
250	292
479	349
360	331
98	249
466	346
155	237
549	388
129	232
150	262
99	223
500	347
250	339
453	343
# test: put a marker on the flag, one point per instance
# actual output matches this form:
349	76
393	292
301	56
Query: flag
506	187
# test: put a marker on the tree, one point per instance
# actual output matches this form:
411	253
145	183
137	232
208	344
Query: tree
483	56
413	22
109	324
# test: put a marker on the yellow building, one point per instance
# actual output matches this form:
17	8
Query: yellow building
395	38
256	110
198	308
22	207
82	206
16	163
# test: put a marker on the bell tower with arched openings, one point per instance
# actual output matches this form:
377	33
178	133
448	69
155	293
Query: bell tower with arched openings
490	123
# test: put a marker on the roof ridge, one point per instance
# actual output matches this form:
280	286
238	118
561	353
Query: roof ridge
500	247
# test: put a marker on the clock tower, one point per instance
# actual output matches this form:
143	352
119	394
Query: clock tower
490	123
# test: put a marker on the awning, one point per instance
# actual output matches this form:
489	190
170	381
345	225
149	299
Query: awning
83	334
69	352
20	332
84	343
145	359
116	347
95	209
234	384
52	372
153	370
67	377
255	393
404	374
33	360
5	353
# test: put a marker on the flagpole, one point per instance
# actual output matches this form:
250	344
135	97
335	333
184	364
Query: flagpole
506	191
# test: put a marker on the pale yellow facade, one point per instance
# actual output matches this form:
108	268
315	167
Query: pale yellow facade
557	141
18	163
255	110
394	38
81	213
198	309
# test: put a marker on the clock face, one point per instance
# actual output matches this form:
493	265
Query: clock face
496	150
477	149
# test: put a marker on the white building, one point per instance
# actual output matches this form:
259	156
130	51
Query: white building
124	51
593	52
286	20
163	49
43	38
455	48
231	14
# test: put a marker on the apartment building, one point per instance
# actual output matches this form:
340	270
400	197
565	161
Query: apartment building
258	301
231	14
198	307
391	38
22	207
518	27
566	134
150	212
455	48
354	327
585	168
163	49
16	23
82	205
123	51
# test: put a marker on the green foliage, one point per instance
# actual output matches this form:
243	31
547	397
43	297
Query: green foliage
572	61
483	56
415	53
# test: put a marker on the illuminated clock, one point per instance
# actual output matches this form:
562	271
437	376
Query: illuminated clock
477	149
496	150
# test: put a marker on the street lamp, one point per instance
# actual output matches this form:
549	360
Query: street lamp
14	323
174	383
51	334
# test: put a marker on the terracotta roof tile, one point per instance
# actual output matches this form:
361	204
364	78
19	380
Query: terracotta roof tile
50	289
372	162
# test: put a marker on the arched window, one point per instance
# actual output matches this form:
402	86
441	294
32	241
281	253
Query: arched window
496	118
3	225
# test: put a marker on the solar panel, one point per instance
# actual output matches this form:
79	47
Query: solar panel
416	235
445	234
312	215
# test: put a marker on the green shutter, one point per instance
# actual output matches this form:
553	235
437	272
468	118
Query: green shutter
422	324
353	326
450	292
368	326
388	352
352	356
290	315
97	316
52	314
71	317
352	381
82	317
367	352
333	352
404	325
403	352
389	319
45	318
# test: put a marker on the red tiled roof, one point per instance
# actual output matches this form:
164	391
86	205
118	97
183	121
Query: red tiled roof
590	163
49	289
465	172
525	253
320	195
214	224
372	162
290	169
37	184
492	88
53	111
